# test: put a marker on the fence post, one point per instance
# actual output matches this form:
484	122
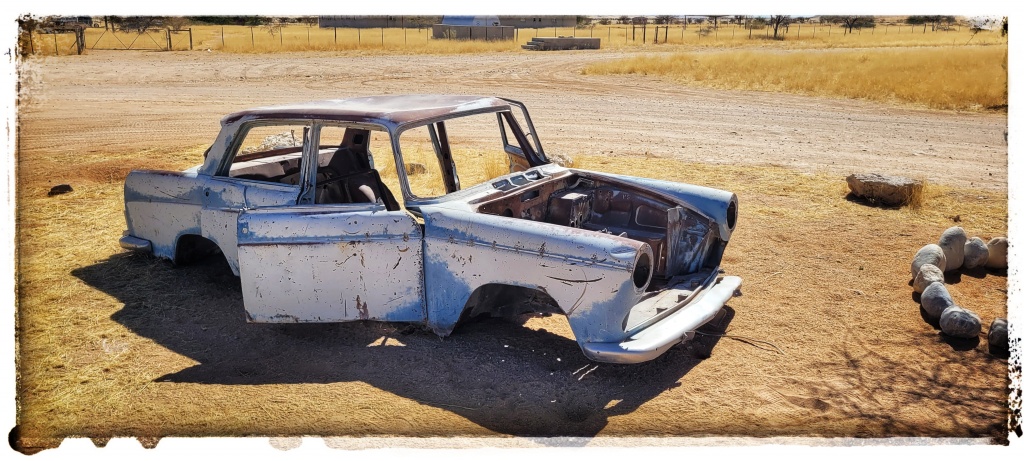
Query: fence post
830	30
359	36
190	39
168	32
307	36
252	37
56	50
80	39
645	33
382	37
798	31
221	37
31	42
281	35
335	36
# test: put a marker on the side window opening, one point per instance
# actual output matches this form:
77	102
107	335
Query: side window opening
454	154
345	169
268	153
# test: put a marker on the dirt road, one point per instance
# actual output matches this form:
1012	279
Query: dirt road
124	101
826	340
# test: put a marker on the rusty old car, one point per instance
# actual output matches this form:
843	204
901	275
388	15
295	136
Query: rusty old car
456	212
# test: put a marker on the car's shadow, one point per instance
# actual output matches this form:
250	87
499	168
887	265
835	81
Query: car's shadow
503	376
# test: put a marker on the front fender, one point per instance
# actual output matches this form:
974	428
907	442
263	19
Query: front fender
589	274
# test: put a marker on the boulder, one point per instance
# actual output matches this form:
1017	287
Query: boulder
975	253
997	249
960	323
997	336
885	189
928	254
952	243
59	189
935	299
928	275
561	160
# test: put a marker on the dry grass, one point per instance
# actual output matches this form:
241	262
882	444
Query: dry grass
113	345
971	78
298	37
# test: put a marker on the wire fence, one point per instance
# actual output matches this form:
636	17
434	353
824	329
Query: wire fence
298	37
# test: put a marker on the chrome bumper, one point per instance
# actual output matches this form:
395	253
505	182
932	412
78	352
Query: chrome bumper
134	243
680	326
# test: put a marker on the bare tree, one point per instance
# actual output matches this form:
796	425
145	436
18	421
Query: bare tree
664	19
777	21
176	22
623	19
273	28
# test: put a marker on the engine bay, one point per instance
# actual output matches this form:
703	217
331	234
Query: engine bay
679	237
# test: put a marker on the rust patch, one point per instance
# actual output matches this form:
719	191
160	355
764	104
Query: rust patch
364	311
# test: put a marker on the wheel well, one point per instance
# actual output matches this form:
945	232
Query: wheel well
508	301
191	248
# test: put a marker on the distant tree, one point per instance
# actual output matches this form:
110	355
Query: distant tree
176	22
852	22
583	21
664	19
604	21
139	24
714	20
640	20
777	21
624	19
310	21
273	28
738	18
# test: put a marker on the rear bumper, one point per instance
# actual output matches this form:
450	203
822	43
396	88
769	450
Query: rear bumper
680	326
129	242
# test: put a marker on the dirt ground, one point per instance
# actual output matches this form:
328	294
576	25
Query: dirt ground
124	348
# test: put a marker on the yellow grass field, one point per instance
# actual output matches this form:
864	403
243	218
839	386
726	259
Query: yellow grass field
962	78
299	37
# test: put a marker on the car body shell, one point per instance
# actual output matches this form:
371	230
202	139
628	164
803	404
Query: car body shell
628	296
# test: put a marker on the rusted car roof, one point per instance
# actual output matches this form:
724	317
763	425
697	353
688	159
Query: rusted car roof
393	110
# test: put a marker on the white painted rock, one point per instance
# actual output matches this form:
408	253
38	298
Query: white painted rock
952	242
928	254
997	249
928	275
997	336
975	253
935	299
960	323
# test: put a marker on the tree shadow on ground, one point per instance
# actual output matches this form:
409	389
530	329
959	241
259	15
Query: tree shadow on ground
502	376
